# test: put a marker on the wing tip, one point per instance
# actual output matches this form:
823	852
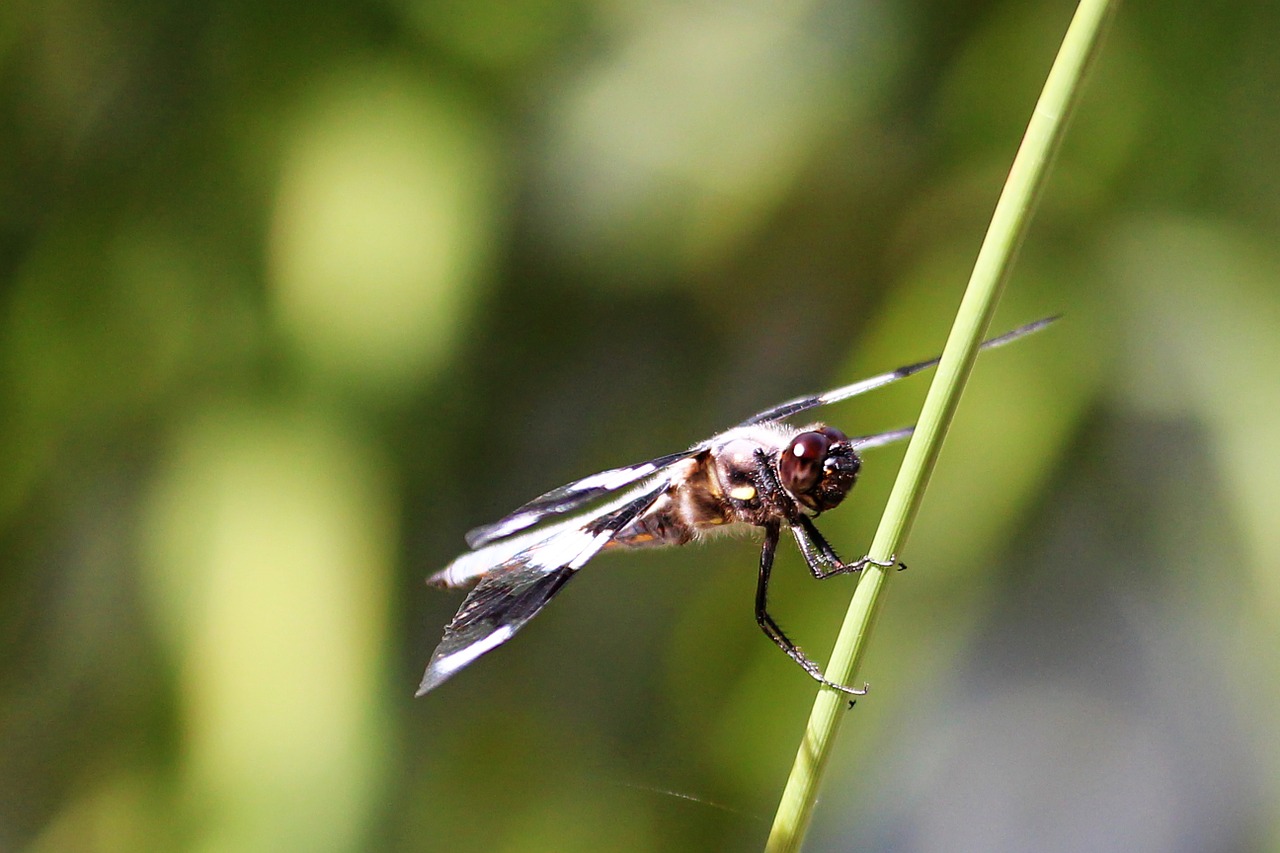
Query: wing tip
441	580
523	518
449	659
431	679
478	536
1022	331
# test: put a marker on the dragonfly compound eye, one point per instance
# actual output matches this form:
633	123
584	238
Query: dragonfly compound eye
800	466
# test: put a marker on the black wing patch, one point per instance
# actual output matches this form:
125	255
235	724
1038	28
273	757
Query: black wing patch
498	607
800	404
570	497
512	593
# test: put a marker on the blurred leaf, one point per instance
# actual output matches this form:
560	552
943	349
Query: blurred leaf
269	537
667	151
383	225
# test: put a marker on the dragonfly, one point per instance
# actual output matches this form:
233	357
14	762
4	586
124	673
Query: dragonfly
761	473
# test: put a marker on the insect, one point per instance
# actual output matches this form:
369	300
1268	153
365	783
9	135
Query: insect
762	473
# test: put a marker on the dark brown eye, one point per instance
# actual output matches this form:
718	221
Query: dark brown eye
801	464
833	434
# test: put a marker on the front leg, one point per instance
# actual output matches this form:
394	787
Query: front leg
821	557
770	627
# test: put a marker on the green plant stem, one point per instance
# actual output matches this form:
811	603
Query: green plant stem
1008	227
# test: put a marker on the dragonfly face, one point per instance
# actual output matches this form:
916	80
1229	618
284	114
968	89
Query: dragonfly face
819	467
763	473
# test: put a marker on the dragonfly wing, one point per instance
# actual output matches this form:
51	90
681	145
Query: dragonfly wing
571	497
866	442
498	607
801	404
510	594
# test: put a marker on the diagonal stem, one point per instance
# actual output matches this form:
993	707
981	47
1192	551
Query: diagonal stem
1008	227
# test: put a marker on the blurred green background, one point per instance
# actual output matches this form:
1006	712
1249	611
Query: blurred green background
293	295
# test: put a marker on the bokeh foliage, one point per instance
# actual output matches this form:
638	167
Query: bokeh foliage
291	296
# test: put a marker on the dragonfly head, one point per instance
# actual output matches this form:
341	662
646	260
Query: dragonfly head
819	467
